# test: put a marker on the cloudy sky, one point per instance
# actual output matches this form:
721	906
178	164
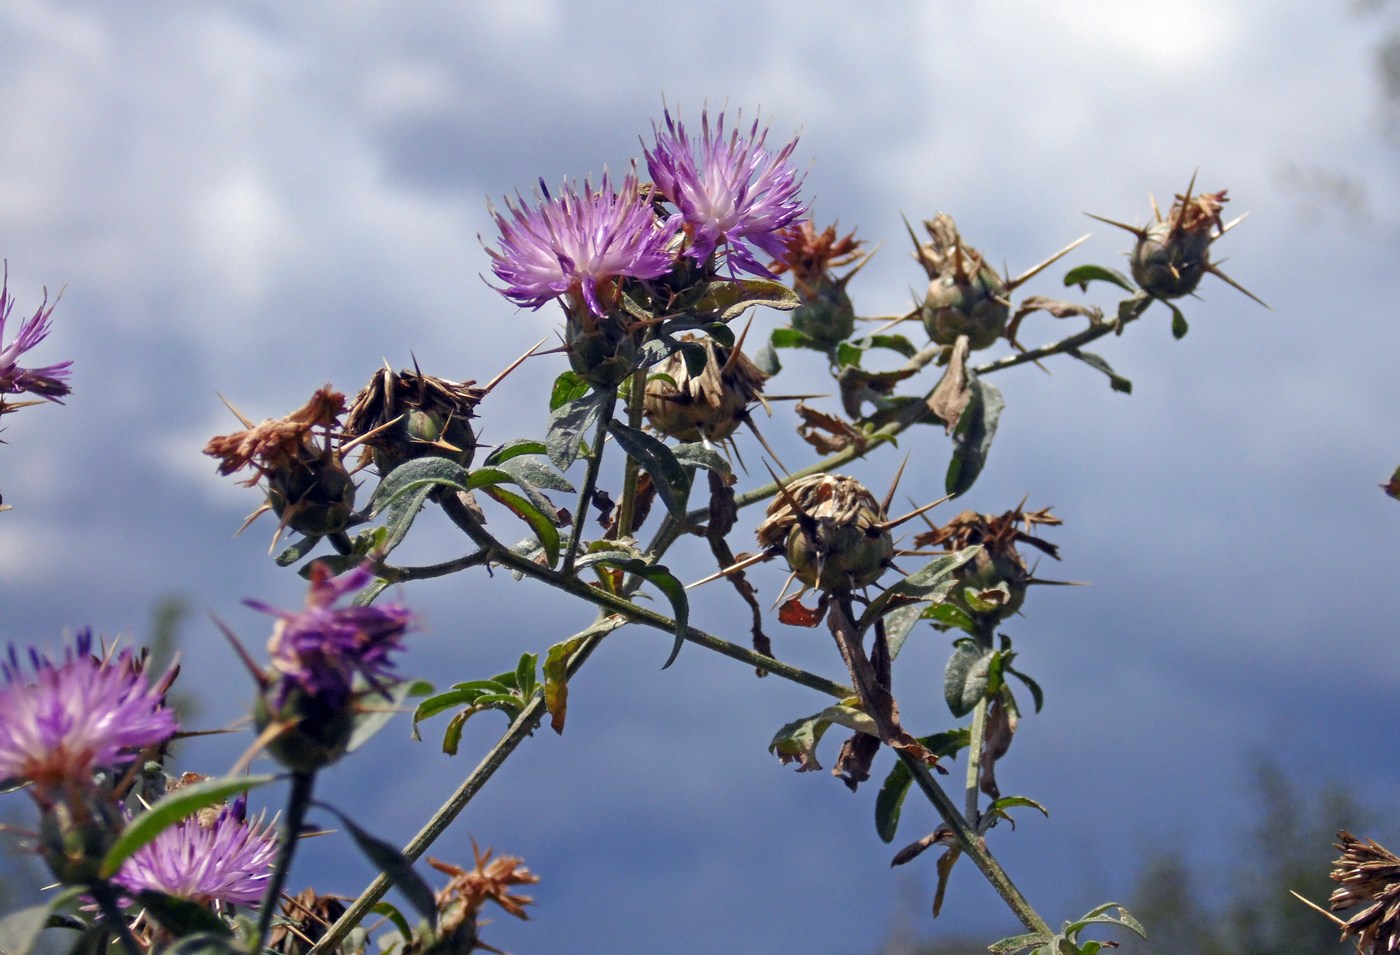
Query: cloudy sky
251	200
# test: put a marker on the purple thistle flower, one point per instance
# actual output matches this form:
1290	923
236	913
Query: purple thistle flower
736	193
580	246
74	717
47	382
321	648
227	860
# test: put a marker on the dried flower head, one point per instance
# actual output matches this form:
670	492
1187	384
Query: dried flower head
491	880
1370	876
732	191
1172	254
226	860
47	382
305	918
68	719
826	313
307	484
580	246
994	582
832	530
708	405
406	415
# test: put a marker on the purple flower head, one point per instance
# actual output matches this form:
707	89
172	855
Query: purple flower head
47	382
733	193
75	716
579	245
227	859
321	648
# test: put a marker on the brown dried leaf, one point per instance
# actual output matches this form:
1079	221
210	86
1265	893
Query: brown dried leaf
827	433
795	614
951	395
1001	726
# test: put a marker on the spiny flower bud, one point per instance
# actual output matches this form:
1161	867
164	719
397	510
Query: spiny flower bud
709	405
965	295
412	415
826	314
993	584
1172	255
601	350
832	530
307	484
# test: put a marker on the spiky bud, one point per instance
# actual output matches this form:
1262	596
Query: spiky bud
603	351
992	586
1173	255
709	404
965	295
409	415
832	530
825	314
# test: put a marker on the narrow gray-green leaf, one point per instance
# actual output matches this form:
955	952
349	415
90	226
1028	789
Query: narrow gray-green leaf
668	476
415	474
972	437
568	423
376	715
730	299
181	804
965	679
513	449
394	865
539	522
1084	274
20	929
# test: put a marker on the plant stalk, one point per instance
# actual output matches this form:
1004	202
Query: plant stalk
298	802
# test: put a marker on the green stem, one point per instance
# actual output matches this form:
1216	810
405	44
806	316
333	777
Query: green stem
398	575
976	849
522	727
1096	330
627	510
974	760
106	899
590	481
298	802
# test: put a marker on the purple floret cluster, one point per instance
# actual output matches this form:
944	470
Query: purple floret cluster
730	193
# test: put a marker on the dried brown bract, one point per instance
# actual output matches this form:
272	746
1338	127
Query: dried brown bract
405	415
1369	875
832	530
826	314
307	484
998	575
708	405
491	880
305	918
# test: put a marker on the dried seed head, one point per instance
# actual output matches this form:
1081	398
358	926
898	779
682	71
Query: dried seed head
710	404
1370	876
832	530
1173	255
965	295
305	918
307	484
993	584
408	415
826	314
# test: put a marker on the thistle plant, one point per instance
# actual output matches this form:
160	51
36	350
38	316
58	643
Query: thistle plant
653	278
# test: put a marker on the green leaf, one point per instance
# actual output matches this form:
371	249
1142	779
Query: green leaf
972	436
659	577
568	423
415	475
20	929
728	299
201	943
373	719
930	582
525	674
569	386
392	913
899	623
797	741
395	867
896	343
1011	802
181	916
1037	694
668	475
1084	274
950	615
965	679
1133	306
556	680
1019	943
848	354
1179	326
514	448
540	523
766	359
792	338
298	549
1115	381
169	810
696	455
890	801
